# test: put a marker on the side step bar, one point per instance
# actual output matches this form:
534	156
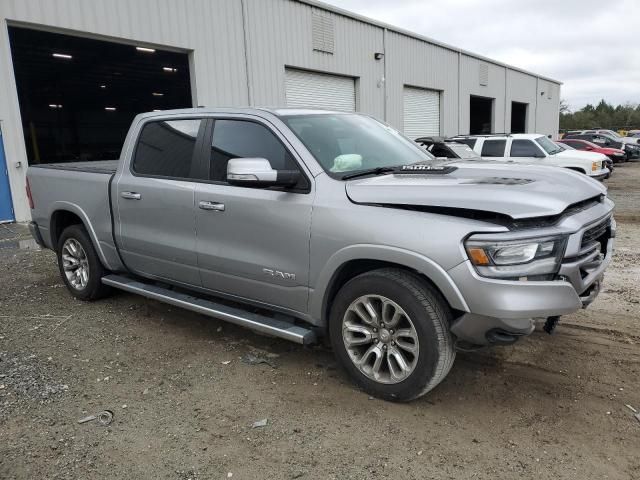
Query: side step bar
260	323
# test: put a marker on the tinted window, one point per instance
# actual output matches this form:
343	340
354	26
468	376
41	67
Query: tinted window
467	141
166	149
493	148
524	148
244	139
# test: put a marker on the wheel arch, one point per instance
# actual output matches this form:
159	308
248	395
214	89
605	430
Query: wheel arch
577	169
63	215
347	264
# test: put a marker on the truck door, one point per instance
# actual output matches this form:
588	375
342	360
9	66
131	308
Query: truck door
155	224
252	242
526	151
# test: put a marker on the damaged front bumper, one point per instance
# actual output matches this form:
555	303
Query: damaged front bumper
500	311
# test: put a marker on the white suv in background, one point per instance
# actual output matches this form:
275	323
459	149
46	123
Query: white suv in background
534	149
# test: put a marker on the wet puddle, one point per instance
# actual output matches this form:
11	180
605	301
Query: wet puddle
24	244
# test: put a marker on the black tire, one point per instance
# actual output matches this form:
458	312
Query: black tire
430	315
94	288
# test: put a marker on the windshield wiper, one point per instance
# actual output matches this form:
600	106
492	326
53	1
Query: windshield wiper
370	171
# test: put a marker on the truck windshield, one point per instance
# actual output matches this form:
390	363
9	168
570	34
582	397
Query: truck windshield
348	143
548	146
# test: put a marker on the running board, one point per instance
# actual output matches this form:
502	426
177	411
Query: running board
254	321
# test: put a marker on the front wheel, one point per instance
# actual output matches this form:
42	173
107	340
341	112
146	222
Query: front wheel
390	331
79	264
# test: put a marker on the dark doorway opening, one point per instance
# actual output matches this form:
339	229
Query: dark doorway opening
78	96
518	117
480	115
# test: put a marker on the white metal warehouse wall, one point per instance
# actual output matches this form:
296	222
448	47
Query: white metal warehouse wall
239	50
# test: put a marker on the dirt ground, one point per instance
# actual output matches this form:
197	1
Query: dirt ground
185	391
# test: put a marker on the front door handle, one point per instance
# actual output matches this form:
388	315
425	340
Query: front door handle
218	207
131	195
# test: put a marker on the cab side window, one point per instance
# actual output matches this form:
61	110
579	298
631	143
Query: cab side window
245	139
166	149
493	148
524	148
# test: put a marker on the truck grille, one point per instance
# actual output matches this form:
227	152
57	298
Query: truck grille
595	232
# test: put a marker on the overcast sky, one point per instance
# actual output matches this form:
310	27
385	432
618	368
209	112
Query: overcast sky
592	46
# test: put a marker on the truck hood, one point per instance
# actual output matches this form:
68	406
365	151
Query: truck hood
582	155
519	192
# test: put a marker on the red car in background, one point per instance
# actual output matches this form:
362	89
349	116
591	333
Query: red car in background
614	154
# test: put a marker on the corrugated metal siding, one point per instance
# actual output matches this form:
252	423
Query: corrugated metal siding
421	112
212	30
322	32
420	64
280	35
547	117
310	89
469	85
521	88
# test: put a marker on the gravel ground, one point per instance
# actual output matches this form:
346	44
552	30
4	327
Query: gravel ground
186	390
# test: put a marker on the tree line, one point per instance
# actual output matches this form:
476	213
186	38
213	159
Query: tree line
603	115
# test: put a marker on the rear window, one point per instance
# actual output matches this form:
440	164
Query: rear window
493	148
165	149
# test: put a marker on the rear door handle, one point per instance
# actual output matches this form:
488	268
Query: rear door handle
218	207
131	195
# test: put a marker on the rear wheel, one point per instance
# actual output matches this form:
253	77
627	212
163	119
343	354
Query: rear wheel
390	331
79	265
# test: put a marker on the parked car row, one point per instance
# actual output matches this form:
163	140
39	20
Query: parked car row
616	155
524	149
607	139
530	148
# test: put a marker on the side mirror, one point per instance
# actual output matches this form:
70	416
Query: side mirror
258	173
588	148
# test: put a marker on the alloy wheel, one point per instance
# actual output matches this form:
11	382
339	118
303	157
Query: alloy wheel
75	264
380	339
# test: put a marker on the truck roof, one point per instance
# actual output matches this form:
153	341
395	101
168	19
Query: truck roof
278	111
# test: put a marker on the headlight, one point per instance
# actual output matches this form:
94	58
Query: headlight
595	166
531	259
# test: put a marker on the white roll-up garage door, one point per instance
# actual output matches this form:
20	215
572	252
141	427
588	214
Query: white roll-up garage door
421	112
310	89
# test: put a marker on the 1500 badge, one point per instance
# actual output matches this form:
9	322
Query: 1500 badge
423	168
278	274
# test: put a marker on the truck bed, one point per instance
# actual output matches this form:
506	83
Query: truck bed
102	166
80	188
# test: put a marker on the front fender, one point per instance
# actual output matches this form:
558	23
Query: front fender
384	253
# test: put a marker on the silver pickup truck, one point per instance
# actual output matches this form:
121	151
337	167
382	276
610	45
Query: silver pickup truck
304	224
